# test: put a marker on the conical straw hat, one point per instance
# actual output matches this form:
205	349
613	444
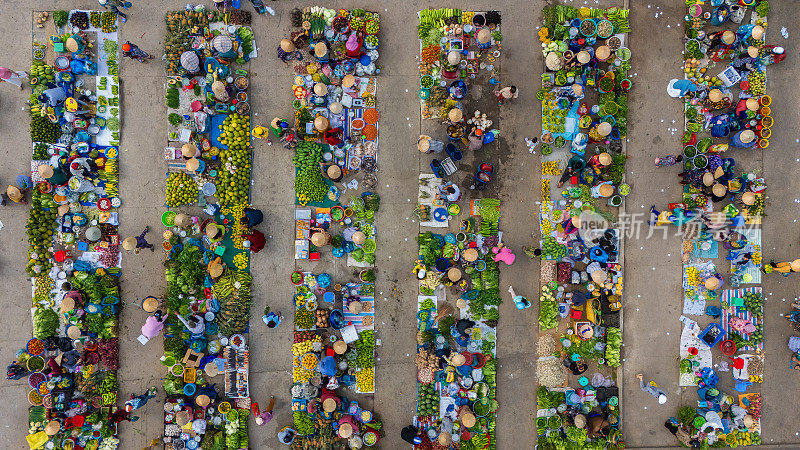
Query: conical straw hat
603	52
320	239
345	430
758	32
455	115
189	150
468	420
719	190
73	332
470	255
747	136
359	237
708	179
45	170
458	360
340	347
212	230
583	57
218	87
728	37
335	107
67	304
192	165
215	269
13	193
72	45
604	129
150	305
712	283
52	428
182	220
321	123
795	265
599	276
329	405
348	80
454	274
605	159
748	198
129	243
715	95
334	171
320	50
484	36
752	51
718	172
182	418
752	104
287	45
606	190
202	400
355	307
321	89
454	57
445	438
424	144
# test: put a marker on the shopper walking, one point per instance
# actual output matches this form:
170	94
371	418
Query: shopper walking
506	93
114	5
12	76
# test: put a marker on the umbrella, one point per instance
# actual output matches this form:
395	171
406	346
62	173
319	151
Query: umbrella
222	43
190	61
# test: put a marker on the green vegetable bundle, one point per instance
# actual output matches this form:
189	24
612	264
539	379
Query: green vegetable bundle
613	344
548	314
45	323
303	423
365	349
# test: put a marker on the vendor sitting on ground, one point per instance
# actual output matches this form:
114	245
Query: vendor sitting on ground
574	167
55	176
575	367
195	324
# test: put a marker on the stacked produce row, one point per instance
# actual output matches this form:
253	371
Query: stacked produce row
727	117
584	116
74	261
334	136
459	244
206	308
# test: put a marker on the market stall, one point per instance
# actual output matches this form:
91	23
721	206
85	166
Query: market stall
334	135
206	308
74	262
584	95
460	246
726	114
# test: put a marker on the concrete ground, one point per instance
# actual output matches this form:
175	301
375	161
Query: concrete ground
652	296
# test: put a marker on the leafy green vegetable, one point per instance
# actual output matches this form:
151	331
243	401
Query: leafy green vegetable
548	314
613	343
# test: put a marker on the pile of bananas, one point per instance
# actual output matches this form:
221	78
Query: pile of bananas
693	276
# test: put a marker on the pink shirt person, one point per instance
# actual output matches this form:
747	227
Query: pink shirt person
13	77
152	327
